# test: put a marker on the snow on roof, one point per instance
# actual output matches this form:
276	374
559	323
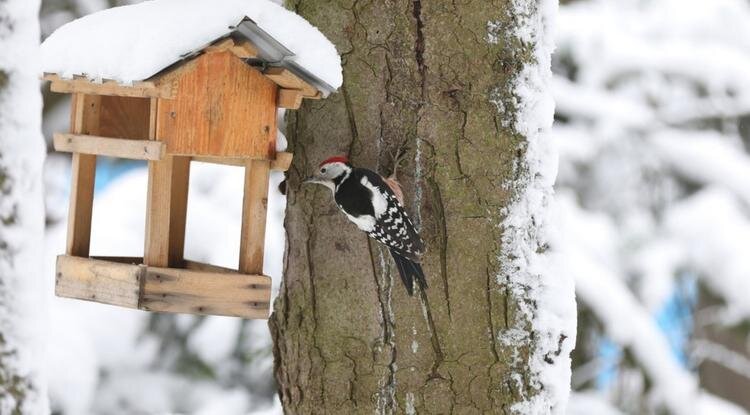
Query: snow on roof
132	43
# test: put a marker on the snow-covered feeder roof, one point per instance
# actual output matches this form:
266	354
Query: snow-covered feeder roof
135	42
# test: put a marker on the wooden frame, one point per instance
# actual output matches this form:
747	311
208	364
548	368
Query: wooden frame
83	171
141	89
285	79
170	120
289	98
254	203
111	147
240	48
126	282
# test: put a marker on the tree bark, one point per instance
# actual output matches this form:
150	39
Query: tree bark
435	79
21	210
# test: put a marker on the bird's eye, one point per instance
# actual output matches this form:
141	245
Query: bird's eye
323	170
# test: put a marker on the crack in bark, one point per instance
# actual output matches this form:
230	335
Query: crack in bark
419	57
419	45
386	89
493	339
311	233
468	179
434	340
350	117
388	390
352	396
437	202
419	52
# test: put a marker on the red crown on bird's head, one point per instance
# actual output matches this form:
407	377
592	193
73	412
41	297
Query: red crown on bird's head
335	159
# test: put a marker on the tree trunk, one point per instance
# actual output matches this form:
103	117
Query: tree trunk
446	82
21	210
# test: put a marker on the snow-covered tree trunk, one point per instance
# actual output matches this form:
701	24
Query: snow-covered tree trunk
464	89
21	210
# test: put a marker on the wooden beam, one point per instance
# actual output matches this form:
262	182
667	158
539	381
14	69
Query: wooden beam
200	292
186	264
178	209
123	281
166	203
285	79
83	169
101	281
84	118
111	147
254	203
289	98
282	162
240	48
244	49
140	89
166	211
153	112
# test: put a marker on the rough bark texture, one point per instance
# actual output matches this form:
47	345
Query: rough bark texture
418	76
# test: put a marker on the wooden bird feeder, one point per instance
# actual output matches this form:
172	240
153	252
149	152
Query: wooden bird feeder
218	105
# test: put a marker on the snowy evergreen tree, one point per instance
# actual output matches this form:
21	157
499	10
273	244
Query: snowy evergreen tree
652	108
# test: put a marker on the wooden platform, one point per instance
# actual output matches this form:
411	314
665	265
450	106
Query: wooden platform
196	289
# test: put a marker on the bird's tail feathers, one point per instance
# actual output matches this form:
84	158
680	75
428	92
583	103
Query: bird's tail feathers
410	271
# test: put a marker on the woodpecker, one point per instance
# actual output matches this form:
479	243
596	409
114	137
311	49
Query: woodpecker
375	205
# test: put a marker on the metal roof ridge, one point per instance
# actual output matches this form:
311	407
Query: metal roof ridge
274	53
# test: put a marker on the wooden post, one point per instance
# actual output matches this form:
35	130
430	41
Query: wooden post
166	205
254	206
166	211
178	209
84	119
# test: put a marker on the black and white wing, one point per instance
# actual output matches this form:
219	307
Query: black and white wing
369	202
392	226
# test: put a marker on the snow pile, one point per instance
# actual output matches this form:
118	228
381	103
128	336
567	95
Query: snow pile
528	268
134	42
652	100
22	305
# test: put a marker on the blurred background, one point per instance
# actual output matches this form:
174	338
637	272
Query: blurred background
653	201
